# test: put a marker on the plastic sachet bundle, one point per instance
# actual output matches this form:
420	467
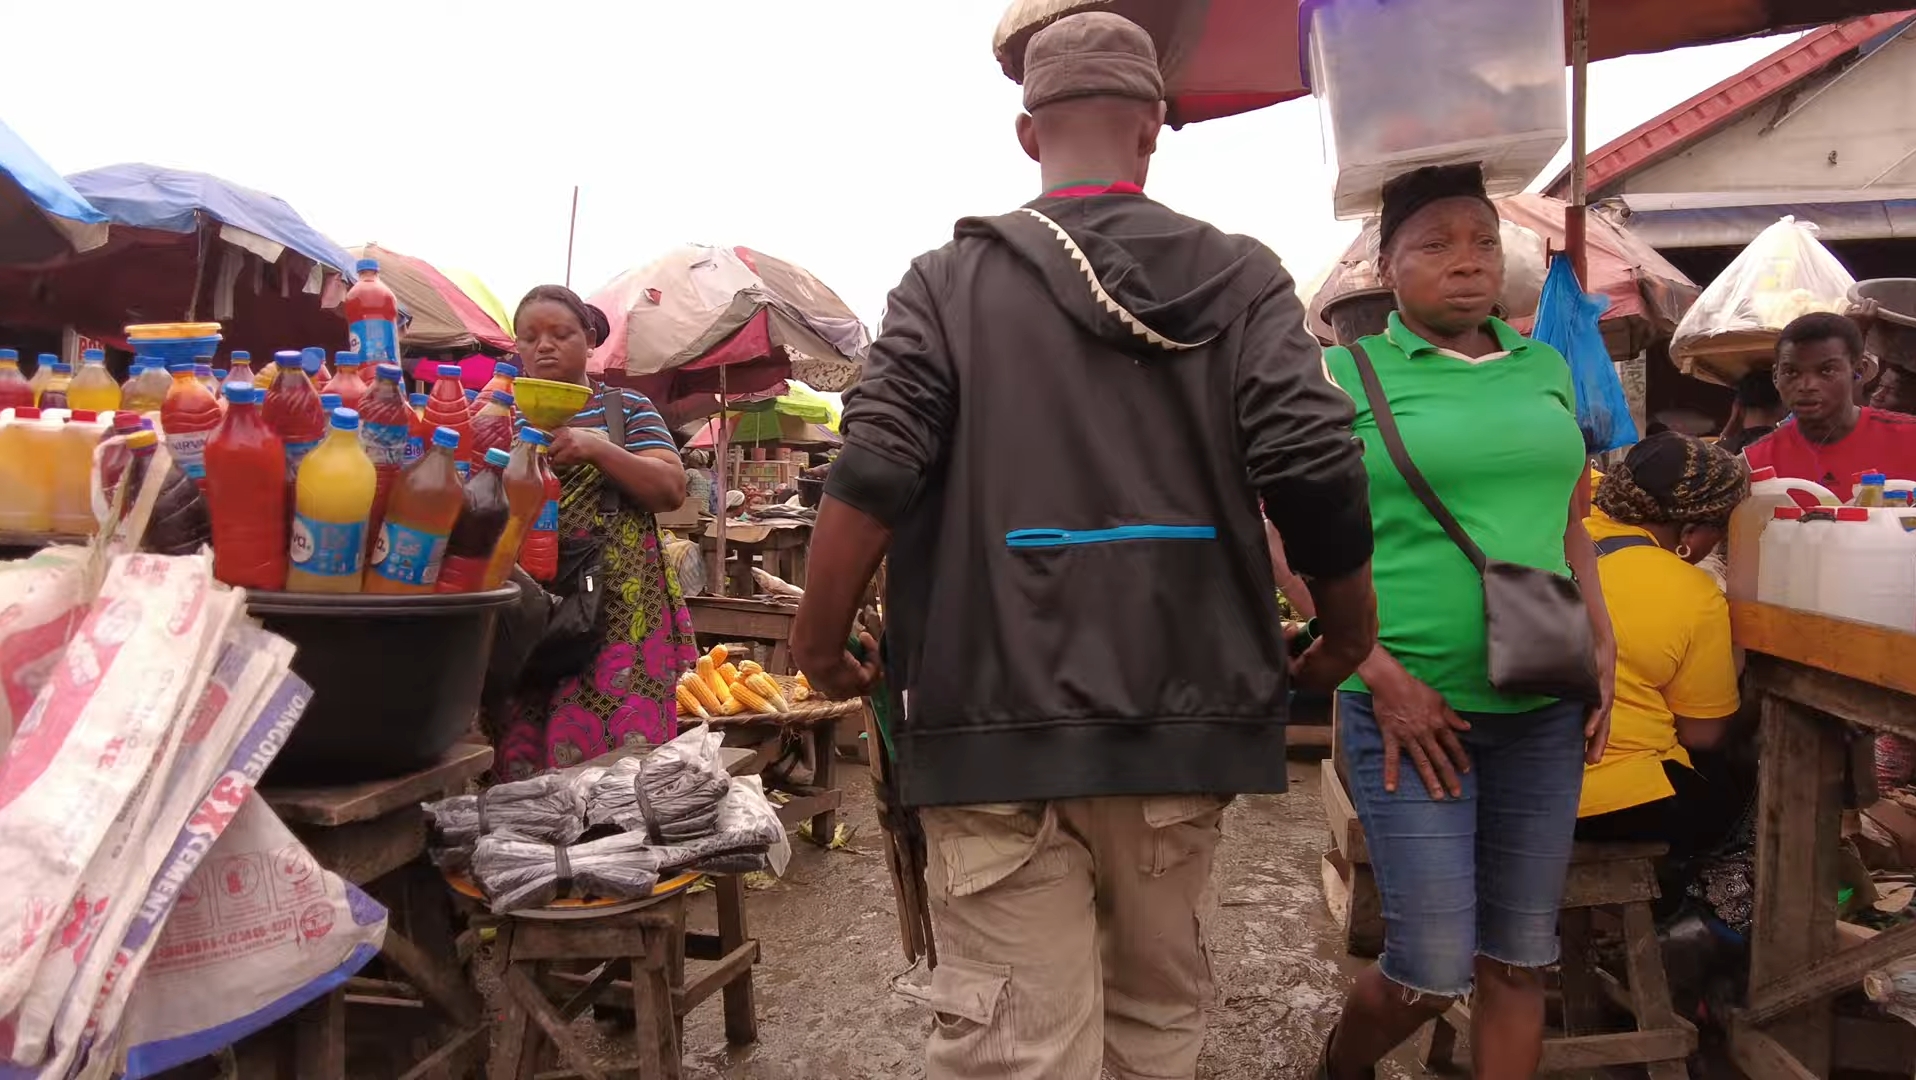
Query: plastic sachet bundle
547	809
668	796
517	874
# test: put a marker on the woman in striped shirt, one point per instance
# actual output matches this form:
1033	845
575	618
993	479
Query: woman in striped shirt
627	694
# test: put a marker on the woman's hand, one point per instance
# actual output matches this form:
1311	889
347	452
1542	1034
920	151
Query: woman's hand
577	446
1415	720
1596	727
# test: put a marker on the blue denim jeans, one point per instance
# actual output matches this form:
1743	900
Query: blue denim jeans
1477	876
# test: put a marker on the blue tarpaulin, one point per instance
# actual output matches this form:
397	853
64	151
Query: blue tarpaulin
41	216
171	200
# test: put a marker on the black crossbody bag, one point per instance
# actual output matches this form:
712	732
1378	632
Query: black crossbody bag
1539	629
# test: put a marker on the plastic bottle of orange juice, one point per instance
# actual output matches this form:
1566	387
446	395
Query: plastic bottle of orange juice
419	517
333	499
188	417
94	387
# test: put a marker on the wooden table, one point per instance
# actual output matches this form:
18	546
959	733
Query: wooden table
374	835
1818	678
781	551
723	619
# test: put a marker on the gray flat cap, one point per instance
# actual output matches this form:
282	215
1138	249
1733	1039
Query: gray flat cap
1091	54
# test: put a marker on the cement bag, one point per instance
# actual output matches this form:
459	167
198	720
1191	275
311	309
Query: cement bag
1783	275
1567	320
259	931
42	600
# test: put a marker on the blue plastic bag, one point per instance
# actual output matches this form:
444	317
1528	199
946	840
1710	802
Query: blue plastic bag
1567	320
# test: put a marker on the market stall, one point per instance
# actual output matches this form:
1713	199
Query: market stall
42	219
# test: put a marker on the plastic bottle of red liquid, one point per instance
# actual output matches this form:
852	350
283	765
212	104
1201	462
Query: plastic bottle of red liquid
188	416
446	407
246	494
385	423
502	376
293	409
492	427
539	554
420	432
525	498
349	381
482	520
15	391
372	317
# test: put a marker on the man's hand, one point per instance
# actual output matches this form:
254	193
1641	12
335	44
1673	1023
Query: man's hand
848	677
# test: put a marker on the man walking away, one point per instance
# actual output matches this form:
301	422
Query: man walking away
1062	436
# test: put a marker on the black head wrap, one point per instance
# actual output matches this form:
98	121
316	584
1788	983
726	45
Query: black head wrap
1673	479
597	327
1412	191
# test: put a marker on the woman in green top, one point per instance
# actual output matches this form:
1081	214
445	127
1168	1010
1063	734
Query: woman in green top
1470	854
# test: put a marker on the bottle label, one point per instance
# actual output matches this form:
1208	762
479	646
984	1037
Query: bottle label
548	519
384	443
376	341
189	452
408	556
415	449
328	548
295	453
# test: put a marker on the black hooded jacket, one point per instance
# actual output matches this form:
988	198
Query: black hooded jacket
1068	420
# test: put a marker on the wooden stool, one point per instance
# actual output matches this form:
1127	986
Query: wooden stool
1618	878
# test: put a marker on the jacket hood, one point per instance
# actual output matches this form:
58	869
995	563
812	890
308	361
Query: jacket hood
1132	271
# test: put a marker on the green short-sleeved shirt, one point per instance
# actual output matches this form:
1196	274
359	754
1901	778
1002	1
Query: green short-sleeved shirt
1498	441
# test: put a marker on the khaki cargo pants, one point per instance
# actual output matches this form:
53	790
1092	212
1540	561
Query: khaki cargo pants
1071	937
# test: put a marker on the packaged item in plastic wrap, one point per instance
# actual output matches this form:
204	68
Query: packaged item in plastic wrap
670	795
1784	274
1567	320
42	600
548	808
746	836
258	932
519	874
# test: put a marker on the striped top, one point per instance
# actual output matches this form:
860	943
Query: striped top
644	427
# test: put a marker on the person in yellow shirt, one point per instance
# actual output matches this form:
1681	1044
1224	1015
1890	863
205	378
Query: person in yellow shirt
1654	518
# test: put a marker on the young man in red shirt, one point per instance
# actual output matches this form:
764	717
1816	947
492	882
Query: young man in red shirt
1828	438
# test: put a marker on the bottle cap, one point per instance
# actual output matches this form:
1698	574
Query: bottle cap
389	372
9	354
143	439
93	356
347	359
1852	513
1757	476
500	397
180	367
1875	478
445	437
498	458
508	370
220	373
534	436
451	371
287	358
345	420
241	356
417	400
472	395
329	402
312	358
127	423
1789	513
202	369
240	393
47	358
364	265
135	369
83	416
61	367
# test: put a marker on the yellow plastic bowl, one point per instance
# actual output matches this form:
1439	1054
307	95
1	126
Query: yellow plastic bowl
168	330
548	405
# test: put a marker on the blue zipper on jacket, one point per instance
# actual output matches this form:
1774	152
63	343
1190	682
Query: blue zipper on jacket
1050	538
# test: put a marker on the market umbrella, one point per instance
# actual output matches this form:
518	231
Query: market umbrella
800	416
1223	57
444	317
41	217
472	286
1647	294
186	246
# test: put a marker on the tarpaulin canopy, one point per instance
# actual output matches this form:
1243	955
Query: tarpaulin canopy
41	216
189	247
678	321
444	317
1224	57
472	286
1647	294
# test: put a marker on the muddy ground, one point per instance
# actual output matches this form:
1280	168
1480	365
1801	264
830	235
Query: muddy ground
830	950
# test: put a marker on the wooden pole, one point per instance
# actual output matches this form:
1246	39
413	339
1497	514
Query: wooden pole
571	231
1576	215
725	488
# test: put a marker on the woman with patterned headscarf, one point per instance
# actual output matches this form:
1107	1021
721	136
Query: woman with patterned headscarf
1665	509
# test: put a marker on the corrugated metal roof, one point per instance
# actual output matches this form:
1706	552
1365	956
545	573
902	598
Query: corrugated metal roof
1685	124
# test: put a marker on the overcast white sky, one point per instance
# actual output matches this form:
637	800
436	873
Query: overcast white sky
846	136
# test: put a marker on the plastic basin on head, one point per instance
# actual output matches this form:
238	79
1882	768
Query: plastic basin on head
546	404
396	679
1892	332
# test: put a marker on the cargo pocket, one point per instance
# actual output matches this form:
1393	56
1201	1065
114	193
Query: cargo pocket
976	847
966	996
1179	828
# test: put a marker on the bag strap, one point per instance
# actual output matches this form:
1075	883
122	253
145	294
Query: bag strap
612	402
1394	442
1615	544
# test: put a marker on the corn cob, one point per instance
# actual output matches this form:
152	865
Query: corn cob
701	692
750	699
718	655
689	704
749	667
708	671
762	685
729	673
730	705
